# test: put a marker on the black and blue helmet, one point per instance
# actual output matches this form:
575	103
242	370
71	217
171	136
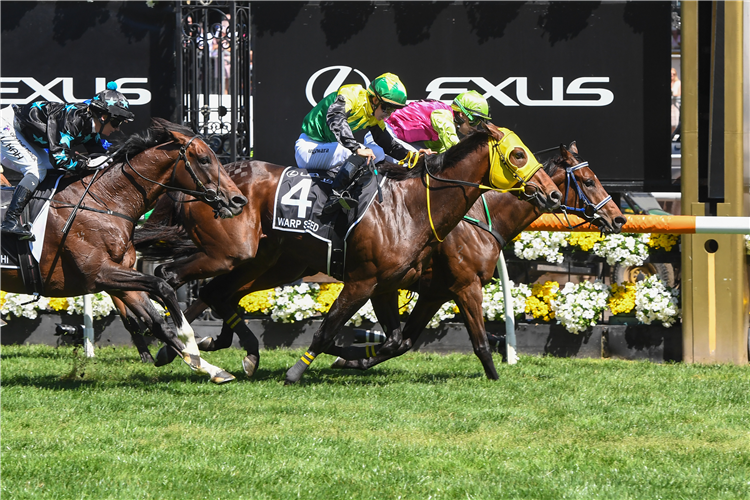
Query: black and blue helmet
112	102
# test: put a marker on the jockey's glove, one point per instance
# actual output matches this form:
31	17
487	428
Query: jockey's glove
98	162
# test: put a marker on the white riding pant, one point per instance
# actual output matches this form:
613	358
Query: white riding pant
16	153
314	155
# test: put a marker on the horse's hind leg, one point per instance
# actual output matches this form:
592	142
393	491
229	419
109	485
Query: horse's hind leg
363	358
134	328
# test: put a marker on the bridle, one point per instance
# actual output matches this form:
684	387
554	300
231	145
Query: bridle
206	194
412	160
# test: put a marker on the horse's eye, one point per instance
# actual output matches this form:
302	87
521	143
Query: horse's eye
205	160
589	183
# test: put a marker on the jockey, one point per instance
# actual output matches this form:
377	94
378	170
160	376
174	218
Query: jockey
327	138
40	136
435	124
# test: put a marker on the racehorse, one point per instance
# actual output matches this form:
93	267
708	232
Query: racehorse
385	252
97	252
466	260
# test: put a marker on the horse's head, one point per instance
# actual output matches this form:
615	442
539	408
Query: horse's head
198	171
584	194
513	167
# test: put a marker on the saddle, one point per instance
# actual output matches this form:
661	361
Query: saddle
298	207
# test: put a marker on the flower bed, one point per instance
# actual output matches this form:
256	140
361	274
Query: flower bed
576	307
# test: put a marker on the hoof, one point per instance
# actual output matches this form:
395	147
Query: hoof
147	358
205	343
250	364
389	347
339	363
165	356
222	377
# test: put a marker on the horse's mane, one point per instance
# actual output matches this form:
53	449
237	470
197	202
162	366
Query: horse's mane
438	162
159	132
557	161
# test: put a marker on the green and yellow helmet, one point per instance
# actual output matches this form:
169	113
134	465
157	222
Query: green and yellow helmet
389	89
473	104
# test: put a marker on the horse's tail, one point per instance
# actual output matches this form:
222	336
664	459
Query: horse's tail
166	242
163	236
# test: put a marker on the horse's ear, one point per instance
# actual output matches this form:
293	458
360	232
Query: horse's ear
494	131
565	153
573	148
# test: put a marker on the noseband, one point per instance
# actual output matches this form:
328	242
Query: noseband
589	210
206	194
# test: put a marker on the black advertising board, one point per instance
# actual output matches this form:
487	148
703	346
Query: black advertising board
67	51
593	72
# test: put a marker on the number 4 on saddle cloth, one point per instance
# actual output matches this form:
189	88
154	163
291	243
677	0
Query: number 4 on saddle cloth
25	254
298	208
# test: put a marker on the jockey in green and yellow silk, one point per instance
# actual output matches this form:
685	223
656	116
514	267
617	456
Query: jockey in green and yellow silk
327	139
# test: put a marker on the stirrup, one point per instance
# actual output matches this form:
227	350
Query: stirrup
20	230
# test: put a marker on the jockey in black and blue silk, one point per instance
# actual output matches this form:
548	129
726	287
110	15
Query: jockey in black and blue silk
40	136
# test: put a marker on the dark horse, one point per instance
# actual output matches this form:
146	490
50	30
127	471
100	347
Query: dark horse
386	251
97	253
466	260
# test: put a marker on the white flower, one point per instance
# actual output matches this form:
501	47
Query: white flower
747	243
101	305
533	245
625	249
445	312
23	306
654	301
294	303
493	300
578	307
365	313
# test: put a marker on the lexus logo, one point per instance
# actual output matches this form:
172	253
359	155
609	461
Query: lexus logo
336	76
513	91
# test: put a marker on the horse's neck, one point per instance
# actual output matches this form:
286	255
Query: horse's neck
448	202
144	189
509	215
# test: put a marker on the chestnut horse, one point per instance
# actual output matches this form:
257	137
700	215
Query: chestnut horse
97	253
466	260
385	252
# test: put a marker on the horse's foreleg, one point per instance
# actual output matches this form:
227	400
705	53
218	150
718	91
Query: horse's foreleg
113	276
352	297
469	301
134	328
385	307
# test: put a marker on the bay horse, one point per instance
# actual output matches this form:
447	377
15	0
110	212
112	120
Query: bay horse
466	260
97	253
385	252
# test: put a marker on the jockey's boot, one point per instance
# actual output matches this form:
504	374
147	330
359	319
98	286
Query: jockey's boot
345	178
11	224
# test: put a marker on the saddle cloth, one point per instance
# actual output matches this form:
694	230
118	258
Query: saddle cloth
298	208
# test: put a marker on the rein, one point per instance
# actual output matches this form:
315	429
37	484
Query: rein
411	162
207	195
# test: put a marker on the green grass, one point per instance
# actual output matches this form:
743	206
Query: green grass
421	426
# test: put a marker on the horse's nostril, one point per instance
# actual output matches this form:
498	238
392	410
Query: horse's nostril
620	220
239	200
555	196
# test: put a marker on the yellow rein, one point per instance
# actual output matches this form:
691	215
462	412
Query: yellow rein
413	157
